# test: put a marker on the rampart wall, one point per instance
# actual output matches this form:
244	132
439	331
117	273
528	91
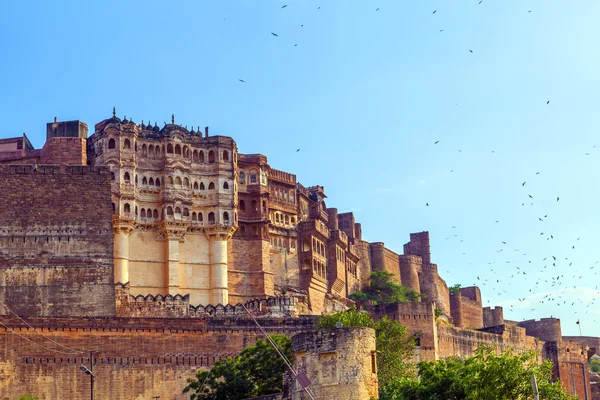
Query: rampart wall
56	244
137	358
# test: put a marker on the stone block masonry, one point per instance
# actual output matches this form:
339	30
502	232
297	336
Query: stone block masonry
56	241
137	358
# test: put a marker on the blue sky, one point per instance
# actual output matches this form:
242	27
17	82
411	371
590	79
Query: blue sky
365	94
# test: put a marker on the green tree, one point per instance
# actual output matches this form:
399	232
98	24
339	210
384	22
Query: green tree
486	375
595	364
256	371
454	288
394	345
383	289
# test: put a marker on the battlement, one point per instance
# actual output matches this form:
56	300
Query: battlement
493	316
178	306
281	176
252	158
25	169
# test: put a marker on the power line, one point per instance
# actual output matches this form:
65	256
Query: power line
287	362
41	333
36	343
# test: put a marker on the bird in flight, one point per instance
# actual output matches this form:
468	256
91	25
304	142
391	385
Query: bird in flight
548	102
274	34
434	11
480	2
441	30
297	150
437	142
284	6
427	204
241	80
523	184
377	9
471	51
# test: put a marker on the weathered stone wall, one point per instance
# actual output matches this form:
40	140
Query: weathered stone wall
56	241
434	288
383	259
465	308
137	358
493	316
340	363
64	151
570	366
546	329
249	271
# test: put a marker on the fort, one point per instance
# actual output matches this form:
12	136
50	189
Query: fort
141	250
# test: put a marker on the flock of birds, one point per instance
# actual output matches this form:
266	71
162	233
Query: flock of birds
545	277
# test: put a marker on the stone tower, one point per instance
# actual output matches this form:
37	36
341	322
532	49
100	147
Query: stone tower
340	363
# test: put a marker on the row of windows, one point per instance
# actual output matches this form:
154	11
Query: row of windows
340	254
253	206
351	267
252	177
282	195
154	214
176	182
281	243
284	219
178	150
319	268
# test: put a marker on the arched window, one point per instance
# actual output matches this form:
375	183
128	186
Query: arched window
200	217
277	217
136	211
253	176
136	180
151	181
177	210
211	157
254	206
225	155
169	148
177	181
186	182
292	198
155	214
195	185
186	212
293	220
126	144
177	150
201	156
226	217
287	221
306	244
151	151
242	178
111	143
144	181
211	218
127	208
169	210
113	206
243	230
211	186
225	185
202	186
264	207
194	216
186	152
255	230
143	213
144	150
170	180
242	205
195	156
112	176
126	177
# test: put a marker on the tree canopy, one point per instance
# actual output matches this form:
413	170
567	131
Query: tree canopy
256	371
487	375
384	289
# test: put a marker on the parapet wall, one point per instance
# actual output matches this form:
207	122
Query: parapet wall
546	329
179	306
419	246
56	244
465	308
493	316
